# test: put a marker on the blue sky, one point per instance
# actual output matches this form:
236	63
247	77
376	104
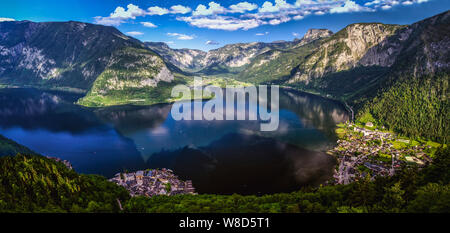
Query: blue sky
206	24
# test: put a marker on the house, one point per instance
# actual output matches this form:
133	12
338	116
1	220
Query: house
129	177
150	173
162	192
139	174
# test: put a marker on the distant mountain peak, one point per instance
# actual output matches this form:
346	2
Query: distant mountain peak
279	41
314	34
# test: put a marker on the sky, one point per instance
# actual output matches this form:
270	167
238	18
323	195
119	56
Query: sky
206	24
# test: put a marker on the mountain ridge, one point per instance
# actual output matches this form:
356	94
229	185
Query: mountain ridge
230	58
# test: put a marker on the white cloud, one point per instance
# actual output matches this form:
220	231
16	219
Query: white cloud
214	8
304	2
239	16
388	4
169	42
268	7
407	3
279	5
156	10
6	19
349	6
319	13
295	34
222	22
261	34
180	36
282	4
149	24
179	9
280	20
131	13
107	21
242	7
212	42
375	2
135	33
120	15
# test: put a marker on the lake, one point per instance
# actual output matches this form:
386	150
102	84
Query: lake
220	157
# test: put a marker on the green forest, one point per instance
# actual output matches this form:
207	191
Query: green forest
10	147
32	183
414	107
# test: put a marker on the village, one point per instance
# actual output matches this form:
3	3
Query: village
153	182
364	150
63	161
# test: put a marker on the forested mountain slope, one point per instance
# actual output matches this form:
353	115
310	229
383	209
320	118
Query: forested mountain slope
10	147
412	97
78	55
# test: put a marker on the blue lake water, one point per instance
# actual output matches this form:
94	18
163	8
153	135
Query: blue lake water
218	156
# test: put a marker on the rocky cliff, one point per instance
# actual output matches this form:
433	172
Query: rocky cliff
343	51
280	59
314	34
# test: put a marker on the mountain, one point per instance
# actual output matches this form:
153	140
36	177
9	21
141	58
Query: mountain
10	147
314	34
96	59
33	183
342	51
412	97
232	58
186	59
277	63
397	75
228	60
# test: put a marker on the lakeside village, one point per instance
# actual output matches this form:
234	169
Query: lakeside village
63	161
153	182
364	150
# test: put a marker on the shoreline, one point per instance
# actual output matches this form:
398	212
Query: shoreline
72	90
